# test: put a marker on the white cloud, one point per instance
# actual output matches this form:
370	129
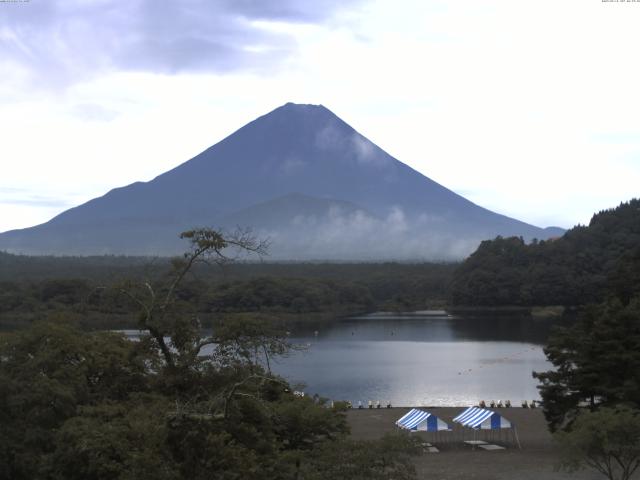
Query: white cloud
342	234
531	107
365	151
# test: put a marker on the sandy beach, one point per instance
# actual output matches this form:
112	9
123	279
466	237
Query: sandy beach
456	460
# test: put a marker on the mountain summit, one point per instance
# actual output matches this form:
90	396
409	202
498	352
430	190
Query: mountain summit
298	175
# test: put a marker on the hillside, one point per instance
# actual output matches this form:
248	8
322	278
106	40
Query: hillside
583	266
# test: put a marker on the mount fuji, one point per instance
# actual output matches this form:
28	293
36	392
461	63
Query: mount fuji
299	176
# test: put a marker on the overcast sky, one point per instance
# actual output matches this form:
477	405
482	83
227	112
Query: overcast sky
529	108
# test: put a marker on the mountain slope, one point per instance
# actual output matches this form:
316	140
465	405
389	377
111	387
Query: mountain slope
290	210
295	148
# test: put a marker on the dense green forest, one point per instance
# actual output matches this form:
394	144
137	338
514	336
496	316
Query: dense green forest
89	288
584	266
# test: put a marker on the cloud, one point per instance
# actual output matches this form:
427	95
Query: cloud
291	165
63	41
93	112
330	138
366	152
341	234
19	196
286	10
338	138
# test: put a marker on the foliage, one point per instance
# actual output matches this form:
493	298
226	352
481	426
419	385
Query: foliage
123	440
177	336
249	340
386	458
67	416
597	362
287	294
89	292
47	374
607	440
581	267
79	405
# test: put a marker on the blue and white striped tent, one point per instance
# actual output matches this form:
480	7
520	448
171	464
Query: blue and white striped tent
483	419
419	420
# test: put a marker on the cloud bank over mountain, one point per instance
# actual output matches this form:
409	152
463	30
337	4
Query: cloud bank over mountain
347	235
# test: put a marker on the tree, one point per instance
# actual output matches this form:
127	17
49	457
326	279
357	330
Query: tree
597	363
47	374
302	423
252	340
387	458
126	440
607	440
624	280
179	337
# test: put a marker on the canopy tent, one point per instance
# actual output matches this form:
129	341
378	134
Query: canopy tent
481	418
478	418
419	420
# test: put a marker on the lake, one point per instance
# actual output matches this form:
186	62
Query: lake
423	358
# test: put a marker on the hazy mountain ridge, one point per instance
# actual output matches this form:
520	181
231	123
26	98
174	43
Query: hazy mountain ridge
354	200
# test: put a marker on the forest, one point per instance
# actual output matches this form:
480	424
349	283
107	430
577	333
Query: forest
584	266
89	288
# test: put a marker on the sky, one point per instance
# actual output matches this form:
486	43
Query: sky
528	108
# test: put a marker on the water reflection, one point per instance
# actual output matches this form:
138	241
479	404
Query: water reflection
426	358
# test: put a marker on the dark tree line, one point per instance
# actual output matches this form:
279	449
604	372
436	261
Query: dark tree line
583	266
89	291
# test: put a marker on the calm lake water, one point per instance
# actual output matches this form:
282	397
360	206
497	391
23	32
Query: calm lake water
425	358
